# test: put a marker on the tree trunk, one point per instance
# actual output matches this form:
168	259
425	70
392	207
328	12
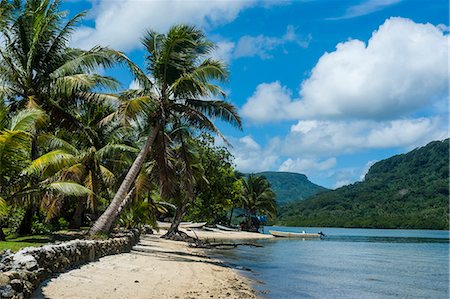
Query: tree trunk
2	234
179	213
77	219
105	222
25	224
126	202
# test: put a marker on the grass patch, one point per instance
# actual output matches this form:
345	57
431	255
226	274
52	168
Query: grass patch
16	244
26	241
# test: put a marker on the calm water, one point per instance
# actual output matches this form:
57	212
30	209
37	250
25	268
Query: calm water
349	263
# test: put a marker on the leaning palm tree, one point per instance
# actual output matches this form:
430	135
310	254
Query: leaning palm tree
258	197
180	85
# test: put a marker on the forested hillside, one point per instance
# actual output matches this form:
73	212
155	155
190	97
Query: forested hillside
290	187
405	191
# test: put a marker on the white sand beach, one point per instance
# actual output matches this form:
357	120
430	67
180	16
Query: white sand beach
156	268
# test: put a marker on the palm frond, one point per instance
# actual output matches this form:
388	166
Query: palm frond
69	188
57	160
27	119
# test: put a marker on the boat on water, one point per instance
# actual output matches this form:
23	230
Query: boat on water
226	228
295	235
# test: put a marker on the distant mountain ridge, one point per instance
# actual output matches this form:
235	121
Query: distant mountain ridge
291	186
405	191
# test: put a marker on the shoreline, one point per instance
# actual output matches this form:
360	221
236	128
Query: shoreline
156	268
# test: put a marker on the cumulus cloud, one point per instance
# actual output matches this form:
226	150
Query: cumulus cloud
322	138
121	24
402	69
270	102
250	157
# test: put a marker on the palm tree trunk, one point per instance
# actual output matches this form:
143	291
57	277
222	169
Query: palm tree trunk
105	222
126	202
77	218
2	234
26	223
179	213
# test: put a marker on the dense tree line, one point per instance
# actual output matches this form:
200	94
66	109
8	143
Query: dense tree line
404	191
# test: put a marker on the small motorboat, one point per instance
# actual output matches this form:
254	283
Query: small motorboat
295	235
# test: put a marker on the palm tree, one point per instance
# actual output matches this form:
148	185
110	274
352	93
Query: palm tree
180	86
39	70
37	66
88	159
258	197
16	136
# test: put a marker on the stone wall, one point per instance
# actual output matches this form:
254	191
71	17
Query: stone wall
21	272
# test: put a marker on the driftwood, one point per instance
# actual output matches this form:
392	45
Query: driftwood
222	245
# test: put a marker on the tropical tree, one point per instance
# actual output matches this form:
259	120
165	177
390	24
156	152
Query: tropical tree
221	188
257	198
180	87
88	159
38	69
16	187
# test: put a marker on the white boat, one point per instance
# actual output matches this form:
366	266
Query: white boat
194	225
294	235
226	228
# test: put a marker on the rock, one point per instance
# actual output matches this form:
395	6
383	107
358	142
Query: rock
7	292
17	285
4	279
25	260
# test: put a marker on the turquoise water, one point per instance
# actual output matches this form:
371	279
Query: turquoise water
349	263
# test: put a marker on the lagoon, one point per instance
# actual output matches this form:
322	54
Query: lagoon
349	263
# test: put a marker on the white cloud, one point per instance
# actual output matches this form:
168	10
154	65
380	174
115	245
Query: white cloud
261	45
224	51
403	68
366	7
366	168
250	157
121	24
324	138
270	102
307	166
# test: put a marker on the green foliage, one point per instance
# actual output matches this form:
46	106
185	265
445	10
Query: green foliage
257	196
40	228
220	189
290	186
404	191
137	215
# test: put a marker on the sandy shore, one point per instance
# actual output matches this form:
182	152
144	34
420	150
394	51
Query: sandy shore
156	268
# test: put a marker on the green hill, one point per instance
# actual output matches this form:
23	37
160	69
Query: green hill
290	187
405	191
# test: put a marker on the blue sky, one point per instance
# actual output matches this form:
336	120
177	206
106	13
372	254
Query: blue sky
325	87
